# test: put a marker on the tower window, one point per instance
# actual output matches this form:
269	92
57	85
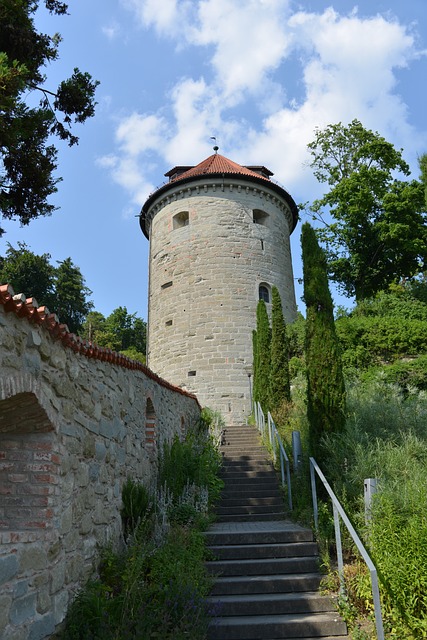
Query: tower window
260	217
166	285
264	292
181	219
168	323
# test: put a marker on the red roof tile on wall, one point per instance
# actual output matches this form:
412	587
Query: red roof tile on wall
28	308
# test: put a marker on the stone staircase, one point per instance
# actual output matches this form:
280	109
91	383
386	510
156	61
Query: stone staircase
265	567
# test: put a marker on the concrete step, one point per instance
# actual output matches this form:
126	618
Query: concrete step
285	550
262	566
278	583
254	463
246	500
251	490
280	532
251	517
277	626
250	509
272	603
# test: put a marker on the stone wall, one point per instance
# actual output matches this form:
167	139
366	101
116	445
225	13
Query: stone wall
211	247
74	424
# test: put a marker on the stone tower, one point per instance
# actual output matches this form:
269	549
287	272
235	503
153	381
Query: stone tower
219	240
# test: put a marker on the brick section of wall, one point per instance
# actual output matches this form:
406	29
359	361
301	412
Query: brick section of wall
29	476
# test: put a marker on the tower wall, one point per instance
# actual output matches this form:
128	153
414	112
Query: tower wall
207	260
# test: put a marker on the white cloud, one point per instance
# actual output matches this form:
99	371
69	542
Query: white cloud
139	133
250	39
111	31
167	17
347	69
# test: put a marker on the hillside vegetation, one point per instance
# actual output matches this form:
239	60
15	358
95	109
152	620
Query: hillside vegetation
383	342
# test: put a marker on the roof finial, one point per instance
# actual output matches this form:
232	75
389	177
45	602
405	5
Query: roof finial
216	146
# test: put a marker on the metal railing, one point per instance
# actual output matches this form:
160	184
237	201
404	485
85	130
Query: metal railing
276	443
339	511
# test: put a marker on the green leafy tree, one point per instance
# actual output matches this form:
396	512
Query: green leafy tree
325	381
61	288
378	232
263	356
28	273
28	162
280	389
120	331
70	299
423	167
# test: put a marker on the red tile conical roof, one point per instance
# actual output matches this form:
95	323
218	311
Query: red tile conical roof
213	165
216	165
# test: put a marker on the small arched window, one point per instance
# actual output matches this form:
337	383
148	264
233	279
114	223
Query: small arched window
260	217
264	292
181	219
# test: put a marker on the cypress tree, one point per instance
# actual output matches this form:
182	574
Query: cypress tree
325	381
280	389
255	367
263	341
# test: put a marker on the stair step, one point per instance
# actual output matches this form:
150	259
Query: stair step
258	517
256	501
262	566
277	626
278	583
250	509
281	550
248	533
251	491
272	603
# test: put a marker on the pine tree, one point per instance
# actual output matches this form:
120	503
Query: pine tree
263	355
325	381
280	389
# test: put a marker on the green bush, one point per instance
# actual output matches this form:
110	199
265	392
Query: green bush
156	587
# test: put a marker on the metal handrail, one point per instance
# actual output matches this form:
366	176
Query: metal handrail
274	439
339	511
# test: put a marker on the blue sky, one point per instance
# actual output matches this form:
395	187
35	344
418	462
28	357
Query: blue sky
259	75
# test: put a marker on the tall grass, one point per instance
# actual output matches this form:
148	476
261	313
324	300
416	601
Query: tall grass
386	438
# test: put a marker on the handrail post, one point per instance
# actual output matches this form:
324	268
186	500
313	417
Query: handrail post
339	549
314	497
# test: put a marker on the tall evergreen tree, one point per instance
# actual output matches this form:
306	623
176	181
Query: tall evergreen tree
325	381
280	388
255	396
263	355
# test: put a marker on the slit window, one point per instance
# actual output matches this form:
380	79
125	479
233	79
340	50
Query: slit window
191	374
166	285
168	323
180	220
